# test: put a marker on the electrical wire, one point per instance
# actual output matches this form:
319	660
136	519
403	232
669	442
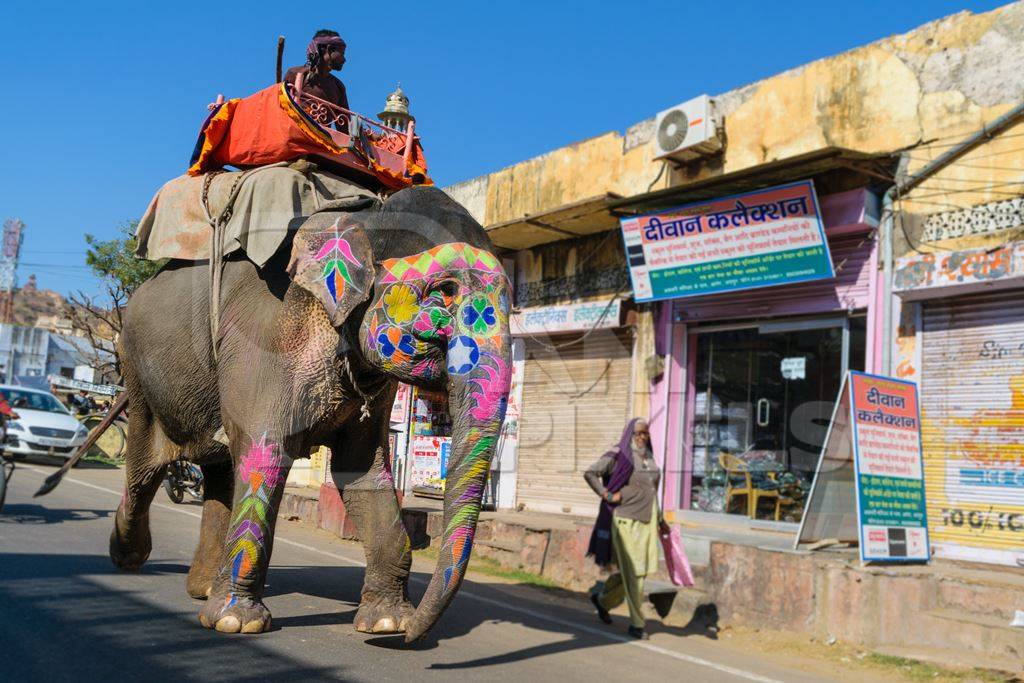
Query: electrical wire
971	157
959	137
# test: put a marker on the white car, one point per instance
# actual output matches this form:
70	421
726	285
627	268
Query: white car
44	426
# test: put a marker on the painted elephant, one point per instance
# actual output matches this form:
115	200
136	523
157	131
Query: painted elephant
308	351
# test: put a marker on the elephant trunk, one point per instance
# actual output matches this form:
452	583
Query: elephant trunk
479	370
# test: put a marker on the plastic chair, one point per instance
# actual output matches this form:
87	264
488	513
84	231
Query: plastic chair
735	468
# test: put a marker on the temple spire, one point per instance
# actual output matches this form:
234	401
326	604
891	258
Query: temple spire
396	110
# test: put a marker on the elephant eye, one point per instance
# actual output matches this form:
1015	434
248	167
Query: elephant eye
444	291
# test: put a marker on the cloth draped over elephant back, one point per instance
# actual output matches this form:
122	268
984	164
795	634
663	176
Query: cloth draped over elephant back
600	547
267	200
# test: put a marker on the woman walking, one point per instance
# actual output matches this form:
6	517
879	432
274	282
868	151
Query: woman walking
626	478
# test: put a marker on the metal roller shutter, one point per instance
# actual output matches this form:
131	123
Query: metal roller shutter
575	403
972	397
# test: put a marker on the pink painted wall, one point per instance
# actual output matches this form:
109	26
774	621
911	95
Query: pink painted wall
668	397
658	416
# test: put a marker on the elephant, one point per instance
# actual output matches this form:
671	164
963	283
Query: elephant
308	351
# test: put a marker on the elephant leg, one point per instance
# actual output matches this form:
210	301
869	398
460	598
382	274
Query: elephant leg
145	464
218	481
363	477
236	599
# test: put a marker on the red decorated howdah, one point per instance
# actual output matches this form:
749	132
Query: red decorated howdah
283	123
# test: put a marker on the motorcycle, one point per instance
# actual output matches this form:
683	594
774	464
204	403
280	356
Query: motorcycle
183	477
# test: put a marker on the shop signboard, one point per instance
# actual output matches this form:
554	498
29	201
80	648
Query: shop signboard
400	408
758	239
794	368
429	456
566	318
78	384
869	483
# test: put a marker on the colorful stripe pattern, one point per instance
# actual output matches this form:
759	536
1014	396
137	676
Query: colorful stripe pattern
259	472
454	255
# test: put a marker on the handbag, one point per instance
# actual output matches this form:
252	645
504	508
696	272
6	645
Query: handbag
675	559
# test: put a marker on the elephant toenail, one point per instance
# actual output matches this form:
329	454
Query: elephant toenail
403	624
229	624
254	626
384	625
362	627
209	591
205	621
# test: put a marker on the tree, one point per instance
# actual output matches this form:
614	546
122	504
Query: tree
114	261
99	318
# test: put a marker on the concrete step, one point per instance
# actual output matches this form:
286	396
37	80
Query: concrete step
947	657
981	633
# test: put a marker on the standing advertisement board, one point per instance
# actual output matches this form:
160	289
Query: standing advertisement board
758	239
429	461
869	483
891	509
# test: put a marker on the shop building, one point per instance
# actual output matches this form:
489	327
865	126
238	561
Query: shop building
751	374
577	343
927	286
754	374
578	340
958	310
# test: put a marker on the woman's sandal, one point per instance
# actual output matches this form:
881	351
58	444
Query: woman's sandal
602	613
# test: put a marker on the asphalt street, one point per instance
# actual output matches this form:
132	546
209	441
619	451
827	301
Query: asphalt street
66	614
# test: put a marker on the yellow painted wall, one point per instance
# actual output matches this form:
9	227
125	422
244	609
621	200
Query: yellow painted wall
942	80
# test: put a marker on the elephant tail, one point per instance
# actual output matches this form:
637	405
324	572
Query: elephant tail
51	481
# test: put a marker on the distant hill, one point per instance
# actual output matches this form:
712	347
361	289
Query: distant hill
31	303
34	307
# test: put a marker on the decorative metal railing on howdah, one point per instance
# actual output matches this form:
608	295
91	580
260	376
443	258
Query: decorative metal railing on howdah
588	283
359	128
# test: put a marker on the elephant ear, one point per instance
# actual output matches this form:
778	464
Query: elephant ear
332	259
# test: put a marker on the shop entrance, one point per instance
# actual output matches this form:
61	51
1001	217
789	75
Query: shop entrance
764	397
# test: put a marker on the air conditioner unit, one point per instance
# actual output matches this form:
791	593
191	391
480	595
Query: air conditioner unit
687	131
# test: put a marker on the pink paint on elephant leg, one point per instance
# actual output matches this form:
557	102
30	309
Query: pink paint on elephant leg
259	472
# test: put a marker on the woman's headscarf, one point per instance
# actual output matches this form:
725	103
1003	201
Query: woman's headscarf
601	537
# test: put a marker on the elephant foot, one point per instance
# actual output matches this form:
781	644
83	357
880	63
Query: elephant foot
128	552
199	584
383	615
235	614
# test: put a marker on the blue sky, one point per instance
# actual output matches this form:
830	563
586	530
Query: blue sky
104	99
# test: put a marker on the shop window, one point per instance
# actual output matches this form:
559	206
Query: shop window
763	401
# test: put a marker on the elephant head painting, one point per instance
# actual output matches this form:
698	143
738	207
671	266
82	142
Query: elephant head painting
307	351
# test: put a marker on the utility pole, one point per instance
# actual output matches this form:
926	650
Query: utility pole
9	250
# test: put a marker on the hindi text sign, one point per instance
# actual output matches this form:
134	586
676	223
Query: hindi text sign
890	475
758	239
869	484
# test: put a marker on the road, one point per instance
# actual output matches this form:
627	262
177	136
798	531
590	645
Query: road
67	615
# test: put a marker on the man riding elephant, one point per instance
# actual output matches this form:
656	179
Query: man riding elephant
307	350
325	53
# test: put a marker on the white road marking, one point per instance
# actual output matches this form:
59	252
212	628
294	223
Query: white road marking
750	676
